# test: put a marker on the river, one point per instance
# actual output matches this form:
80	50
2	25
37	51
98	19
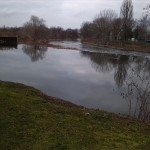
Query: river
90	76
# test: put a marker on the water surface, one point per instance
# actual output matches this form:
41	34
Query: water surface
91	78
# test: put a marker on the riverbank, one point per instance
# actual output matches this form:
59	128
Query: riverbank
31	120
47	44
125	46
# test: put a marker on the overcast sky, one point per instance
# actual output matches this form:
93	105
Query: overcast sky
64	13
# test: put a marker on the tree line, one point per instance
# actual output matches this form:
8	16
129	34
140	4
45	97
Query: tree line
107	26
36	30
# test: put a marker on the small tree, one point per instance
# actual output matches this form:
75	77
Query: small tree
136	91
35	29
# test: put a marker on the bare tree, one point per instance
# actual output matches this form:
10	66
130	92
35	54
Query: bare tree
87	30
71	34
137	93
117	25
126	13
103	25
145	22
35	29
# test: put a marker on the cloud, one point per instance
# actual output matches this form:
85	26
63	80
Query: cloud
65	13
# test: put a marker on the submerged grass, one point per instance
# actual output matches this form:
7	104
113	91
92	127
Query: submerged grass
31	121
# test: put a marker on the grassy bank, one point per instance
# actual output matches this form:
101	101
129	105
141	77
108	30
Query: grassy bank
31	120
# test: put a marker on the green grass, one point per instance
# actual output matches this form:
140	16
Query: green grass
29	121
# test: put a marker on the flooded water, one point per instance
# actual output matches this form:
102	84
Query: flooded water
91	77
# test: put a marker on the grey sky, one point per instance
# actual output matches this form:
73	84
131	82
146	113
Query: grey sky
64	13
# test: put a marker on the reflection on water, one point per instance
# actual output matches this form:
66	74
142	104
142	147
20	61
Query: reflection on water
8	47
132	77
84	78
105	63
35	52
100	61
121	70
